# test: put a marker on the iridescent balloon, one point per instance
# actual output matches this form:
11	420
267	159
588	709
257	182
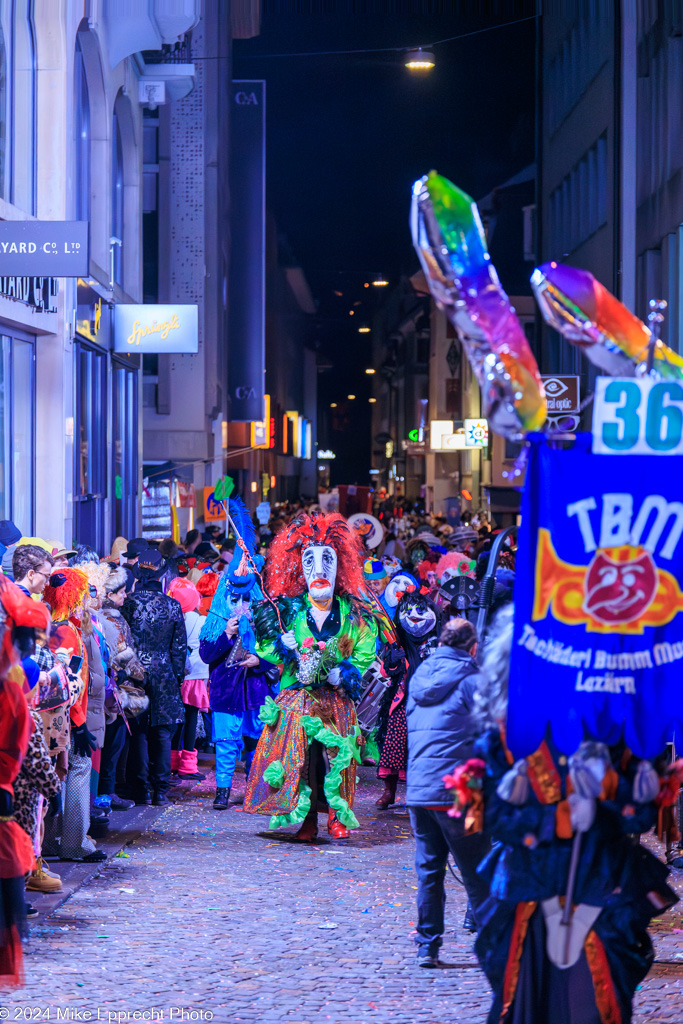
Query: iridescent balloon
450	242
589	316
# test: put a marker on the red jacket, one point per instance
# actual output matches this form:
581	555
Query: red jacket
65	638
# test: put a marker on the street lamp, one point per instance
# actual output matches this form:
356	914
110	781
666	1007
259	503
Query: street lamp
363	329
380	281
370	371
350	397
419	60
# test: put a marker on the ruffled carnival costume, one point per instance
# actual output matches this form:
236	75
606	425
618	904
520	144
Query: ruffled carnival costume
305	761
16	848
618	880
400	664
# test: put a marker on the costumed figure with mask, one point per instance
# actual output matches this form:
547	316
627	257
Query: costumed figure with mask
20	617
399	584
456	590
239	681
323	633
543	811
417	626
375	680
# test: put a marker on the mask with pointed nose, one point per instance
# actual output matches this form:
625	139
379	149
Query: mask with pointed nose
397	587
319	564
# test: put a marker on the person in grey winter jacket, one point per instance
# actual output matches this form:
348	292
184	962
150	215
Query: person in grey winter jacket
441	734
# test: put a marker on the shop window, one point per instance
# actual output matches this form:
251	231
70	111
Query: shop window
17	104
17	432
116	203
81	137
5	122
124	451
90	489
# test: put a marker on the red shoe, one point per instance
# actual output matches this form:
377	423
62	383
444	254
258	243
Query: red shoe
335	827
308	833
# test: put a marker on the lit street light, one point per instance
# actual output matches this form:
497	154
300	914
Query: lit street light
419	60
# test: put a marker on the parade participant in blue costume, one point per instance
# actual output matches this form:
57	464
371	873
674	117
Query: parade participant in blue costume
402	583
239	681
543	810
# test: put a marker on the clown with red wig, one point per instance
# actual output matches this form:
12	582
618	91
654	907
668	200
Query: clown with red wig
321	629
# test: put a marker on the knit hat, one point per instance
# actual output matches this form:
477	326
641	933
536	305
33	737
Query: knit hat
185	593
9	533
373	569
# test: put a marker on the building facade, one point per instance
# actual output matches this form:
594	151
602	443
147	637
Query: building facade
611	155
74	87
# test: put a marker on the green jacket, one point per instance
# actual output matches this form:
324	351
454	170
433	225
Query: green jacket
339	623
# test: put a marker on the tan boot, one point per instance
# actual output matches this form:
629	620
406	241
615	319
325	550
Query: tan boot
42	863
40	881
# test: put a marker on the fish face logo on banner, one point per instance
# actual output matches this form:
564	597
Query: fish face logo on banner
598	602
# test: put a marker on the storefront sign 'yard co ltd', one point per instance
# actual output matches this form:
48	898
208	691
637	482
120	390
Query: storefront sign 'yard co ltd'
156	328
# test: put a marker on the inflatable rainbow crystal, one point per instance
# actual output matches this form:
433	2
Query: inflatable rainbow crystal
449	239
590	317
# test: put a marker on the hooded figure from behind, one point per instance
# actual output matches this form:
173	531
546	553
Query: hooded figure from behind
441	721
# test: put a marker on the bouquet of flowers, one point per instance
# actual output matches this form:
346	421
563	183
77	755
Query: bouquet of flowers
317	658
466	782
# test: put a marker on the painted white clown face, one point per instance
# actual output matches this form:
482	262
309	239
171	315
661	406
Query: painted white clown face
397	586
319	564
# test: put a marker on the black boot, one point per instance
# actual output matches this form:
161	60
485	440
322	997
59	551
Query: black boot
469	924
221	801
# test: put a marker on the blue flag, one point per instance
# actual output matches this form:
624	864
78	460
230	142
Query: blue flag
598	638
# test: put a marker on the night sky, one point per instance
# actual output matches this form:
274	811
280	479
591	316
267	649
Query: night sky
346	137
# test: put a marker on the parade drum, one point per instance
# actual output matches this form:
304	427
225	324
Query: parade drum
374	688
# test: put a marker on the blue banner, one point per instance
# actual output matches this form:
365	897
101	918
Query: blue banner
598	639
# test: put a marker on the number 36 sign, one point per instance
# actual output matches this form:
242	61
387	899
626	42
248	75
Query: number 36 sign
638	416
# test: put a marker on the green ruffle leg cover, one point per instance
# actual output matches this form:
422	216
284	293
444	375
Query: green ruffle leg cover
348	750
275	774
269	712
302	808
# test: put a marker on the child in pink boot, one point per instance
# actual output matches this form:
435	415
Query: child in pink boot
194	688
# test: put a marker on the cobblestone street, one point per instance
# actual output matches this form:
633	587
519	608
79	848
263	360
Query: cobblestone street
209	912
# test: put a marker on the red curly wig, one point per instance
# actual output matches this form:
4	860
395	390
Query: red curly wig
284	576
207	585
65	592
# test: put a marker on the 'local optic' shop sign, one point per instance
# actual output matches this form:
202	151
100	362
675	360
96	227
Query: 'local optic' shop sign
44	248
163	329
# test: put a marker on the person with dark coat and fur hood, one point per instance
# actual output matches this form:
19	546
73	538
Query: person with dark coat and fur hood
417	626
158	631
